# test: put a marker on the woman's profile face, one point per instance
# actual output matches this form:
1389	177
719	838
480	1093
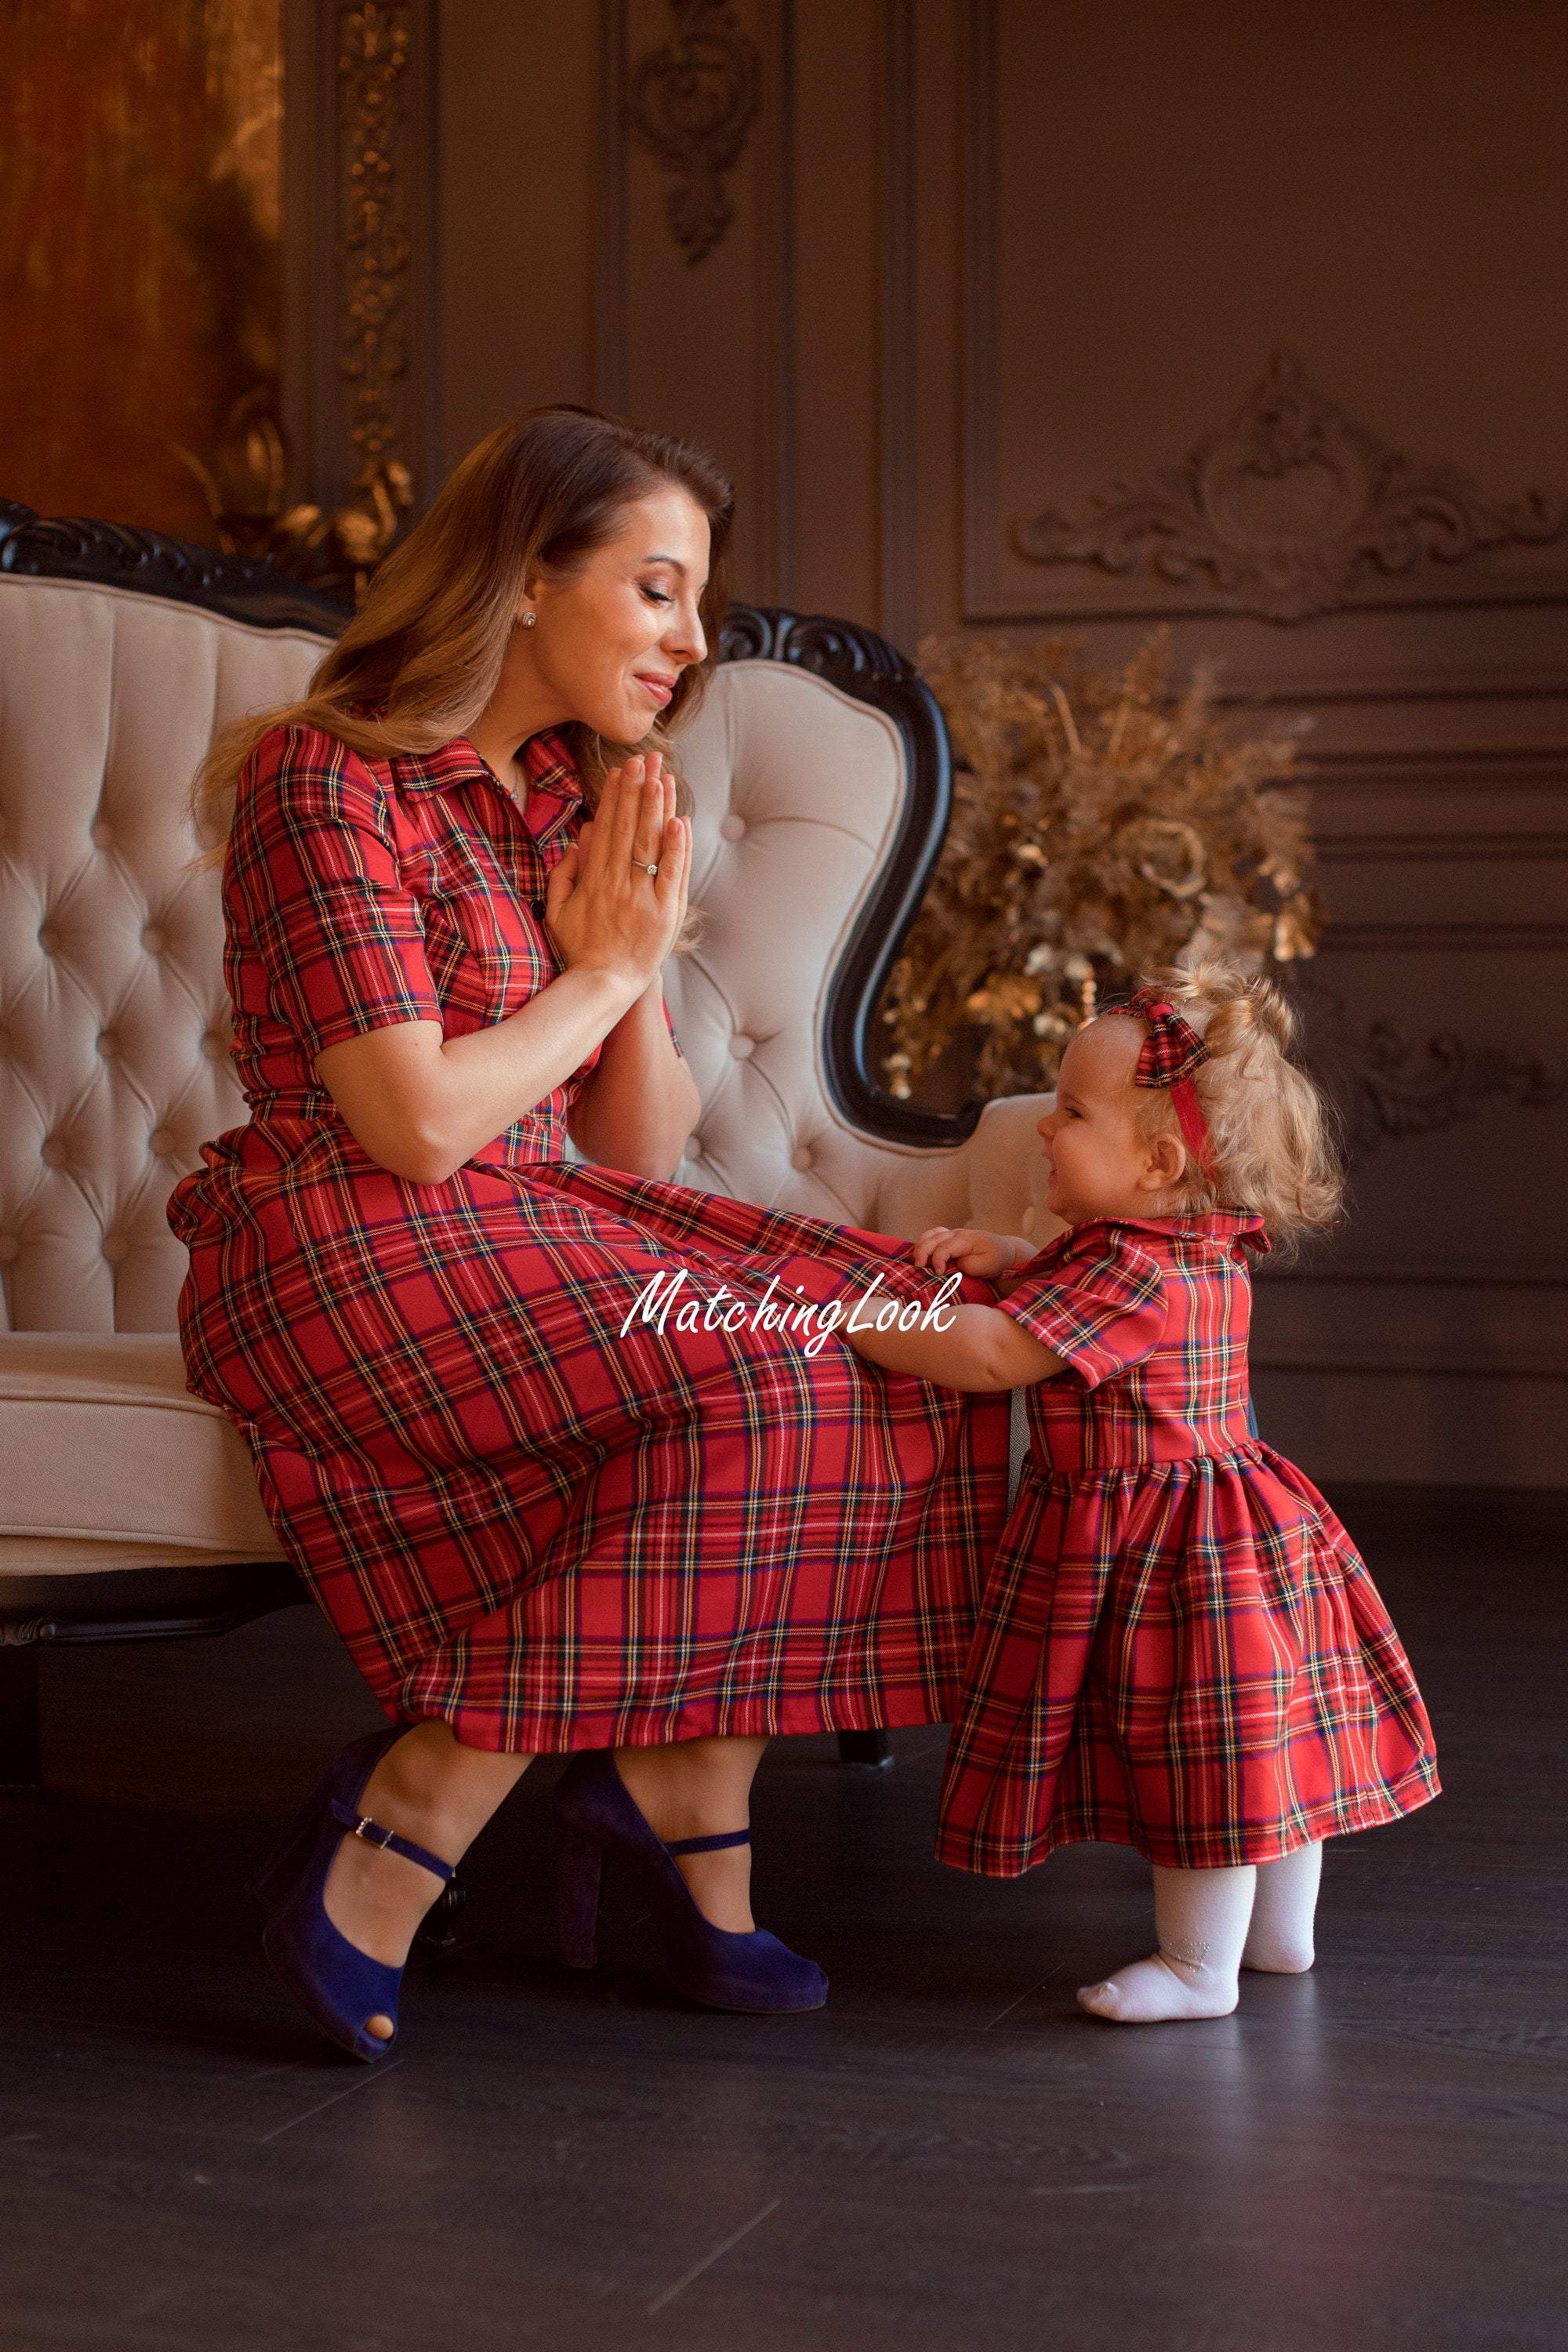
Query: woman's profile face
611	639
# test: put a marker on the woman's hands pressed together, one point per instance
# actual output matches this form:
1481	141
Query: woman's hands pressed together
422	1103
603	910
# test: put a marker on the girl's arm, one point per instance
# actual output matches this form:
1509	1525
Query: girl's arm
981	1349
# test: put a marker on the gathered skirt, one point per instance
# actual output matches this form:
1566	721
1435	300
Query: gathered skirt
1188	1657
553	1532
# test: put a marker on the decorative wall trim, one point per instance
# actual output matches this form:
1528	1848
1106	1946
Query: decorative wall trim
1443	937
777	347
897	487
1197	540
772	313
363	358
977	315
1439	848
1210	523
1389	1087
1479	773
375	37
693	103
610	214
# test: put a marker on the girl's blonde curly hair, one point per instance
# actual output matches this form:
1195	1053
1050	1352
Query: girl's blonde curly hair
1274	1133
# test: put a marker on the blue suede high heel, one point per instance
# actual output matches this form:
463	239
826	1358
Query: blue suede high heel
596	1814
336	1983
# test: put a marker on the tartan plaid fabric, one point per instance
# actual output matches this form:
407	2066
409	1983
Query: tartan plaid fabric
1173	1049
1179	1647
548	1534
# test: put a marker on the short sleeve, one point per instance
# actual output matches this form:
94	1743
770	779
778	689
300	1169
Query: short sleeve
315	864
1099	1301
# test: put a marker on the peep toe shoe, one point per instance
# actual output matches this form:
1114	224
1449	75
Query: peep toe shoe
334	1982
596	1815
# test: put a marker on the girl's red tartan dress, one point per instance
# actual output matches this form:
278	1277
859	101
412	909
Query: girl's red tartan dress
1179	1648
550	1535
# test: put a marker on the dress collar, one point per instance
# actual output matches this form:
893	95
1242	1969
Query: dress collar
554	787
1243	1228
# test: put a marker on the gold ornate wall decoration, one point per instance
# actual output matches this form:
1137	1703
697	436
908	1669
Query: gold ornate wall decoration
334	550
693	103
1286	512
374	41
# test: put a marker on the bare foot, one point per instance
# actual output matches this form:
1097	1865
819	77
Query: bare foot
1151	1991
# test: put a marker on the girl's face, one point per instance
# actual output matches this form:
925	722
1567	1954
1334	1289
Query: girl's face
610	640
1099	1165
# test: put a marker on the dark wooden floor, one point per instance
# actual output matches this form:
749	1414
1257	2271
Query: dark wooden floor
950	2156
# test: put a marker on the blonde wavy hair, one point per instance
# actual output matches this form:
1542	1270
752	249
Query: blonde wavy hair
1274	1138
421	656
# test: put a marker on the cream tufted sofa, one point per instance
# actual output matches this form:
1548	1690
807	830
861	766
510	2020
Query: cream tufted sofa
128	1507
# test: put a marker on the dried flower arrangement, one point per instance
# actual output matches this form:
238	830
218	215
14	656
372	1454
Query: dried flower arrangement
1102	824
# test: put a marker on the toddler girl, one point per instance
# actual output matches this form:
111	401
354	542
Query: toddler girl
1179	1647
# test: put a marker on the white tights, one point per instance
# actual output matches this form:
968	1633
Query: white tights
1210	1924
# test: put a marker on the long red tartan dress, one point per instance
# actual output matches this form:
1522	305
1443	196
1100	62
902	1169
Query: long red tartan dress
1178	1648
548	1532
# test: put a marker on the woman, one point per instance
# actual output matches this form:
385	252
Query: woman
540	1521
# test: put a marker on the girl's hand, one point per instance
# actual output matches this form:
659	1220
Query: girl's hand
604	912
969	1248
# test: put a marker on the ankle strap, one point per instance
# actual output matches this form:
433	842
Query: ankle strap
373	1834
707	1844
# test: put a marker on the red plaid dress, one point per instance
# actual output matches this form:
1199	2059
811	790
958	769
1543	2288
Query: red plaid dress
519	1520
1178	1648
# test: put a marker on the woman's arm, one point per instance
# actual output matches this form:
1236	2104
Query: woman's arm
640	1102
980	1349
421	1105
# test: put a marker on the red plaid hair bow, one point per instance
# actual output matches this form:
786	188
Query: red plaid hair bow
1171	1052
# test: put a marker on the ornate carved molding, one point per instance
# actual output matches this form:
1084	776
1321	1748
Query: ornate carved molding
1389	1087
1287	510
693	103
373	42
843	652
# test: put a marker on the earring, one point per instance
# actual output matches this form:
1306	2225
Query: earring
528	619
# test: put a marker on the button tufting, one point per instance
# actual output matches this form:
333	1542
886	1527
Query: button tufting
116	1248
161	1139
802	1156
152	938
9	1246
213	1046
694	1146
53	1154
733	827
4	1043
108	1043
49	938
742	1046
102	835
